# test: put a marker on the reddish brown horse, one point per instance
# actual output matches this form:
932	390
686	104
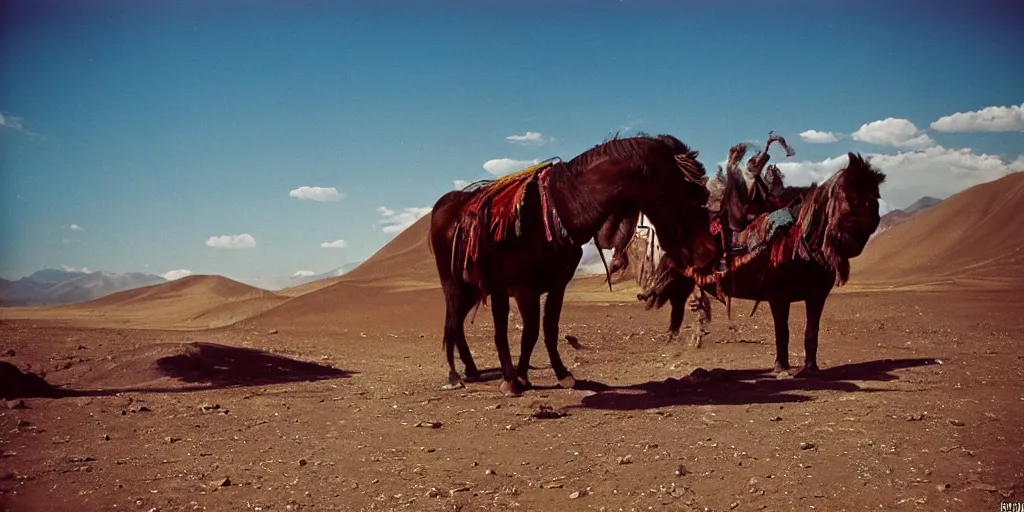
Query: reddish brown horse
522	235
832	225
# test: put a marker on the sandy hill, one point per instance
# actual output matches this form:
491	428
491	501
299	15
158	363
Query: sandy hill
974	234
198	301
395	288
403	262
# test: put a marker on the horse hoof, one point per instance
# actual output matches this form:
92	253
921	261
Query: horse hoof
472	375
780	369
509	388
807	372
453	385
525	383
567	382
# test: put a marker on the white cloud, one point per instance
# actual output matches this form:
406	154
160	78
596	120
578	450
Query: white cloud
460	184
11	122
76	227
396	222
530	139
321	194
242	241
337	244
817	137
804	173
503	166
82	270
171	275
884	207
891	131
988	119
935	171
591	263
304	273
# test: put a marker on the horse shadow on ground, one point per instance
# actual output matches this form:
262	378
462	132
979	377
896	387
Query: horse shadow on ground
742	387
199	366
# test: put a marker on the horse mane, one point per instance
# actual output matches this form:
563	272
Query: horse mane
822	206
634	149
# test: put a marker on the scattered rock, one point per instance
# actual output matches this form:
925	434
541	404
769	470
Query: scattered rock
681	471
303	462
628	459
170	439
915	417
806	446
489	472
224	482
208	408
573	341
985	487
575	495
15	404
433	493
272	331
955	422
734	505
943	487
546	412
428	424
777	418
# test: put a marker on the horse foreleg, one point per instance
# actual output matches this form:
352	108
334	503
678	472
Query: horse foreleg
815	306
780	317
499	312
552	315
529	310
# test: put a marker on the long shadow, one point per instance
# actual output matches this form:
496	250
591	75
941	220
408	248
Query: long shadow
741	387
203	365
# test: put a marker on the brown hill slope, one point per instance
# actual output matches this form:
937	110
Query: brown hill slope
974	234
394	289
405	260
193	302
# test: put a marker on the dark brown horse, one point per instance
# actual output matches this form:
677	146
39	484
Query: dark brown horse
522	235
733	207
832	225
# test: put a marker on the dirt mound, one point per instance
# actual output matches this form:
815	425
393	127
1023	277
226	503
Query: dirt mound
15	383
193	302
973	234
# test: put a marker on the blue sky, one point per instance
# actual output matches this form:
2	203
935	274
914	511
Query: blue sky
132	135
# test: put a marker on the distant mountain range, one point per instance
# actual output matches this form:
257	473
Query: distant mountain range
50	287
896	217
53	286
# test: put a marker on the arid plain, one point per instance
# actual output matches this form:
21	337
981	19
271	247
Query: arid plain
207	394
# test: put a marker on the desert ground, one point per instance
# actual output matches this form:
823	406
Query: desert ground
207	394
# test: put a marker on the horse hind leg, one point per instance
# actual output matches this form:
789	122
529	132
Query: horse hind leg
470	300
459	300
